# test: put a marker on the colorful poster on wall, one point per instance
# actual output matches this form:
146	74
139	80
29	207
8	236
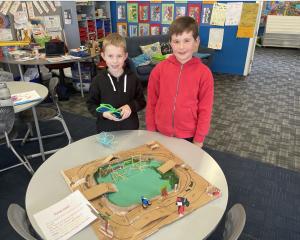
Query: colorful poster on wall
121	11
144	29
155	12
122	28
206	14
132	12
233	14
144	10
285	8
248	20
180	10
194	11
165	30
155	29
216	38
133	30
167	13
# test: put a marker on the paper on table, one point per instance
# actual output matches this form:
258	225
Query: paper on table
66	217
55	59
25	97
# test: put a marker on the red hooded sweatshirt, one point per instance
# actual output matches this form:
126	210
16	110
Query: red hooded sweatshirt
180	99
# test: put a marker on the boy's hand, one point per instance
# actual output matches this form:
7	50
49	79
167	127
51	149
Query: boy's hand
111	117
198	144
125	111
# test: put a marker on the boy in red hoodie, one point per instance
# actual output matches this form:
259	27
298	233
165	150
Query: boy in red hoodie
180	89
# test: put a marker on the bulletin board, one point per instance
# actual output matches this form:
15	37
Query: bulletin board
229	57
33	17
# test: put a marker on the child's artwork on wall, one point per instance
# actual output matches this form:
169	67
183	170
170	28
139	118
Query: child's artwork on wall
216	38
167	13
133	30
121	11
233	14
194	11
206	14
122	28
143	29
218	15
155	12
144	12
132	12
155	29
165	30
180	11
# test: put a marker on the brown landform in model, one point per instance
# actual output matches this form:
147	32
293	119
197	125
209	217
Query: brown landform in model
136	222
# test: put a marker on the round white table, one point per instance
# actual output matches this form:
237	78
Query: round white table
47	185
19	87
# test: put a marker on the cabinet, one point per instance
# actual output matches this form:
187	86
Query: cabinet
94	20
282	31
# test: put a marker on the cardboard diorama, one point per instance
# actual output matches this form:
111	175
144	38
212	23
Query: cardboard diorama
138	191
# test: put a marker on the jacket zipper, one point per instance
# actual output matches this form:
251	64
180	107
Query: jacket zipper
175	98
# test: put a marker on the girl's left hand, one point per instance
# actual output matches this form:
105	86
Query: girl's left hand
125	111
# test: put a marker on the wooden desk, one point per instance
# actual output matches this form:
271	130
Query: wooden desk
47	185
18	87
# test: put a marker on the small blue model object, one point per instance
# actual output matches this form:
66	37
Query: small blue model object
145	202
106	139
104	107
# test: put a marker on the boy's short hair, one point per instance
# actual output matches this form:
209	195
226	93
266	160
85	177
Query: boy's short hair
114	39
184	24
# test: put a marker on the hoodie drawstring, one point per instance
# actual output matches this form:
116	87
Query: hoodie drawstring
113	85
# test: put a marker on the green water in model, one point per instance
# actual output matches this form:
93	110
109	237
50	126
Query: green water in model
134	180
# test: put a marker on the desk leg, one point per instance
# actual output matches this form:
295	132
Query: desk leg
9	68
40	75
36	122
21	73
80	79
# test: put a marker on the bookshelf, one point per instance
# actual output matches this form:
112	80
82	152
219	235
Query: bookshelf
94	20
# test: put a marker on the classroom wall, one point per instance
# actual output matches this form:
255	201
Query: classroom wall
230	59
